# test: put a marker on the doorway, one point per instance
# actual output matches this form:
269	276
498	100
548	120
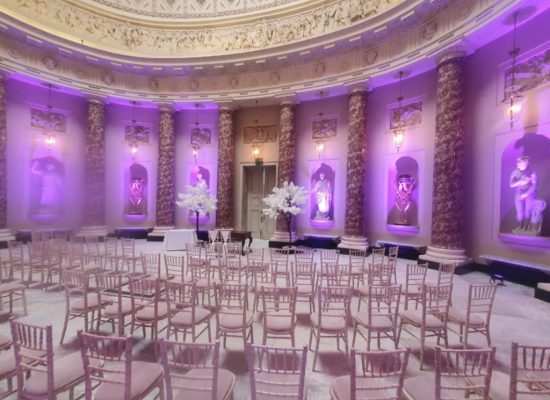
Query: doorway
258	182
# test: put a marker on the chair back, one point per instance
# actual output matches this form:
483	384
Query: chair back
278	299
255	254
393	251
106	360
357	258
276	372
378	255
92	246
384	301
174	267
280	255
111	246
329	256
110	284
304	274
436	300
145	291
209	271
233	270
304	256
415	276
33	349
445	274
378	374
179	358
194	251
530	371
464	373
76	283
381	274
213	235
152	265
181	295
232	296
333	301
480	301
128	247
233	250
16	252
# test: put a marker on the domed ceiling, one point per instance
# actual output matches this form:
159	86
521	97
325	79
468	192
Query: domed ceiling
185	50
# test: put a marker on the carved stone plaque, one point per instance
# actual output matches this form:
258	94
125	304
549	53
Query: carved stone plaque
324	129
137	133
48	120
411	115
260	134
201	136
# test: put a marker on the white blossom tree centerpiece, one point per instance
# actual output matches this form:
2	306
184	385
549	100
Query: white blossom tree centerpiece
199	201
285	201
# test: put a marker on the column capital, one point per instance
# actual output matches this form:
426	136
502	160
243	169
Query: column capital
358	88
451	53
228	105
95	99
166	107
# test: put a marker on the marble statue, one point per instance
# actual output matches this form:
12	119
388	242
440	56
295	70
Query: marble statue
51	183
524	180
201	182
323	196
136	198
404	187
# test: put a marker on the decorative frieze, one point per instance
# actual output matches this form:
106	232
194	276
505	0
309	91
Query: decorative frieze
136	134
408	115
48	120
324	129
260	134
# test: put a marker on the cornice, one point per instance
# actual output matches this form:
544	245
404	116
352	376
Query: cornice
373	64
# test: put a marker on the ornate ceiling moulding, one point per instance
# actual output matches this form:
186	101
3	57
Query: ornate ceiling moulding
63	20
377	62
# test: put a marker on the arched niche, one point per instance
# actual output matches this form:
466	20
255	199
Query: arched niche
322	183
200	177
404	172
47	178
536	149
136	189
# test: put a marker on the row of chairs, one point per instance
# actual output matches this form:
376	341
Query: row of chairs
107	368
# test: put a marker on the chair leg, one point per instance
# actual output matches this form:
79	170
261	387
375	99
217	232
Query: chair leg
318	337
64	327
399	334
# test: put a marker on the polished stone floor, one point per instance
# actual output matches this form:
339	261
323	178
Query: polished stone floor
517	316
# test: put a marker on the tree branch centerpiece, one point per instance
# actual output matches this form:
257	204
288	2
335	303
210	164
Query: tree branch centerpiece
199	201
286	201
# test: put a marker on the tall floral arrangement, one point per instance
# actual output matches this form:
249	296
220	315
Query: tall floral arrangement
198	199
285	201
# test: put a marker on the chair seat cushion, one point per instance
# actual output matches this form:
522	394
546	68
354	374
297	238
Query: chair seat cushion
184	317
11	286
420	387
226	381
67	370
234	319
278	321
144	376
148	313
4	341
112	310
459	316
378	322
204	283
93	302
329	322
271	382
415	316
304	289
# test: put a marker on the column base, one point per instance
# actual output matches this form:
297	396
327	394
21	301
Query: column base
280	239
354	243
6	235
93	230
158	233
446	256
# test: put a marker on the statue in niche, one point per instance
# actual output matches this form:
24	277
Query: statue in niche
200	177
322	193
524	180
137	200
47	179
136	196
404	187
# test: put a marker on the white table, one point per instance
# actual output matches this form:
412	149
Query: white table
176	239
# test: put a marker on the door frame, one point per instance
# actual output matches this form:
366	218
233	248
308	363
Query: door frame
243	211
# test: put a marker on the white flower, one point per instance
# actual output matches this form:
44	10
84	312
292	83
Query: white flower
285	200
197	199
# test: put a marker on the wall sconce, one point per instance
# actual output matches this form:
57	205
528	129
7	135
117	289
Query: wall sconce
49	139
196	148
399	130
133	150
398	137
49	134
319	147
257	153
515	99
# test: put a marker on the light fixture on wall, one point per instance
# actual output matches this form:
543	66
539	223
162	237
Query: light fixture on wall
133	140
256	144
319	147
514	99
49	134
399	130
196	133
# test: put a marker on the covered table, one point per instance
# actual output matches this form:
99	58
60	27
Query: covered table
176	239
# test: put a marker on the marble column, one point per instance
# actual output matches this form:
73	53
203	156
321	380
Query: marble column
5	233
287	158
166	172
354	232
226	167
447	212
94	170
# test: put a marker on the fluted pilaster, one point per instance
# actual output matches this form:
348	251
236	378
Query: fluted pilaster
166	175
226	168
94	170
447	211
355	179
5	234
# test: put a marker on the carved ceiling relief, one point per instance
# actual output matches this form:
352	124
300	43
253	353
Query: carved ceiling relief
78	23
